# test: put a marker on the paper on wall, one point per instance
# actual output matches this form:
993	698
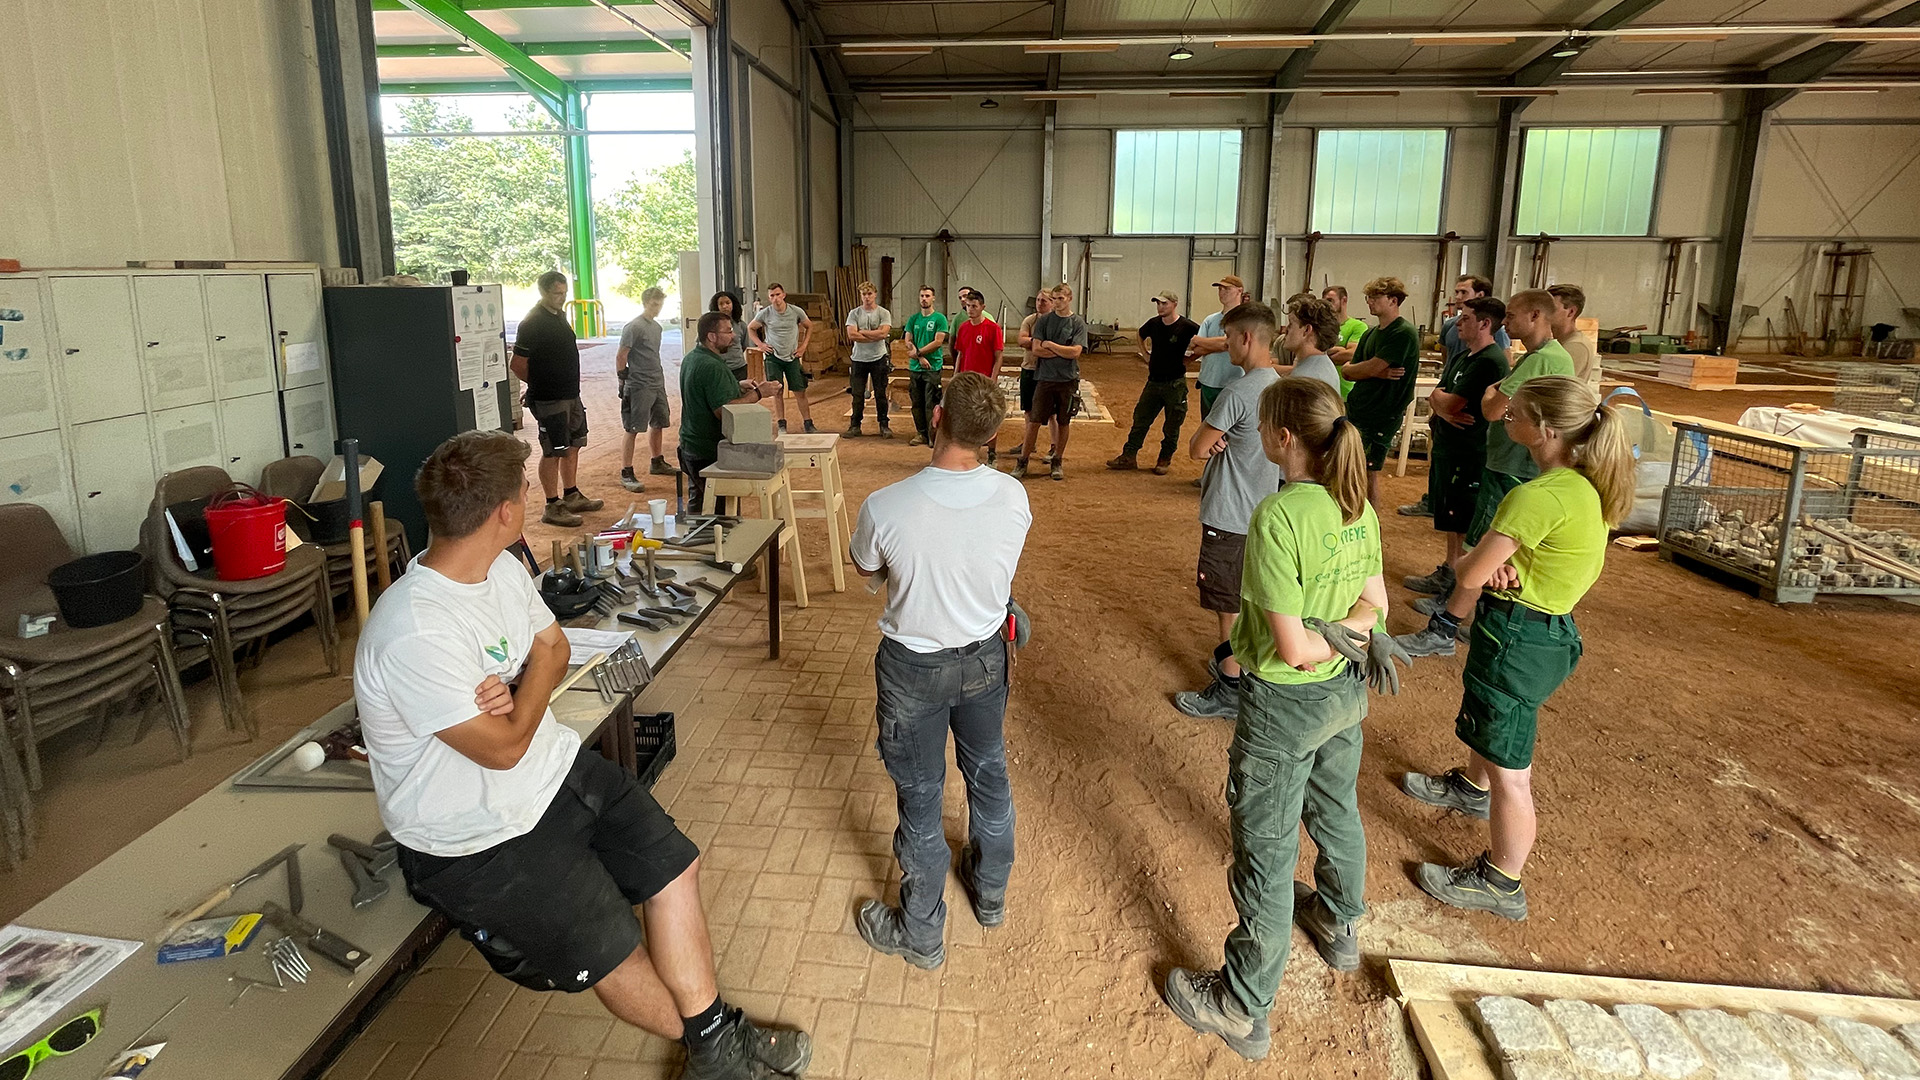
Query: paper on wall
486	407
471	356
303	356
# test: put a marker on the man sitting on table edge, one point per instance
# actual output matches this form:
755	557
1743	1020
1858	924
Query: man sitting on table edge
537	848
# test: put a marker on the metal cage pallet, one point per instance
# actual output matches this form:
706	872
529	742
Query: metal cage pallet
1879	391
1797	519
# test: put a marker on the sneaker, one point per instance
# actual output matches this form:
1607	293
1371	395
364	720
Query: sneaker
1160	467
783	426
854	432
886	432
743	1050
1437	583
1427	642
558	514
1336	941
580	504
992	455
1472	887
1423	508
662	467
1196	481
809	428
1449	790
882	927
989	913
1432	605
917	440
630	481
1049	458
1217	700
1057	474
1019	470
1200	999
1123	462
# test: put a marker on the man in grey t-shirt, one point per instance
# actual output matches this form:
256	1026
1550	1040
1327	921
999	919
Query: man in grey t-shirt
868	327
1059	337
781	331
1312	328
1237	476
643	390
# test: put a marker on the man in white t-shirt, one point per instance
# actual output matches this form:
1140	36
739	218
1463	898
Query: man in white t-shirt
537	849
948	539
1569	301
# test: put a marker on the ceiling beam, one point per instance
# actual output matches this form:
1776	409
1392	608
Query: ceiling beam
1053	59
1547	67
658	85
839	90
439	49
1294	70
644	30
546	88
1295	39
510	5
1811	65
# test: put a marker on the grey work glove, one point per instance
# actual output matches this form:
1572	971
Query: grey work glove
1022	624
1382	651
1344	640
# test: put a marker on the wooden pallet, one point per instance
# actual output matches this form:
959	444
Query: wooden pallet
1697	372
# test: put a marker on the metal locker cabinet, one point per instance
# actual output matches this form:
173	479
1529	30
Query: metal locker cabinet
187	436
243	352
98	360
34	468
27	399
308	411
293	301
113	475
171	316
250	436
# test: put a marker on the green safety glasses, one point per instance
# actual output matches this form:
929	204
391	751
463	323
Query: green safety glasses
63	1040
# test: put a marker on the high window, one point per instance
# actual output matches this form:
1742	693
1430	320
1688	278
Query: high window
1176	181
1379	181
1587	181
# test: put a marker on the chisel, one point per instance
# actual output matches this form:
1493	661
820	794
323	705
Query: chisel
225	892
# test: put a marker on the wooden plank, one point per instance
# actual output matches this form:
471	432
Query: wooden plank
1768	438
1447	1036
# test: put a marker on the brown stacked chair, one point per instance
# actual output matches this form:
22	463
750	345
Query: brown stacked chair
52	683
294	478
234	613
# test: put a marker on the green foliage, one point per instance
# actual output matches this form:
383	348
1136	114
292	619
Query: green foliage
645	226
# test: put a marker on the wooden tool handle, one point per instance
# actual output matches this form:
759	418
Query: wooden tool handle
357	538
220	896
382	568
567	683
555	566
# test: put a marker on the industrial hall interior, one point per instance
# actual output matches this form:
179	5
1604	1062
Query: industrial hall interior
959	539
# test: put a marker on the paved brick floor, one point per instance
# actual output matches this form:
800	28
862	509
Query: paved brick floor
777	781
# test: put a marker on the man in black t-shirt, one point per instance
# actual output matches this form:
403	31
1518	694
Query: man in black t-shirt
1458	453
546	357
1163	345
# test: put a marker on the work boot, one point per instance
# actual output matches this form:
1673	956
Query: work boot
580	503
1438	583
992	456
917	440
886	432
1477	886
1160	467
884	928
630	481
662	467
1019	470
809	428
1427	641
1449	790
1200	999
853	431
783	426
1432	605
1217	700
1196	482
1423	508
1336	941
1057	473
989	912
743	1050
1122	462
557	513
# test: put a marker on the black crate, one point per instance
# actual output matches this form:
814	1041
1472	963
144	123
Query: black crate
653	745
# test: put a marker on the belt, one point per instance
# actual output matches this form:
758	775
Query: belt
1514	607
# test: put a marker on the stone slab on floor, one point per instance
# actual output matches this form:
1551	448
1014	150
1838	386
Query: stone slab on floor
1735	1050
1670	1054
1520	1032
1600	1045
1812	1053
1881	1053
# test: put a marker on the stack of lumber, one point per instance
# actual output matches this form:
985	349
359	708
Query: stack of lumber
823	345
1698	372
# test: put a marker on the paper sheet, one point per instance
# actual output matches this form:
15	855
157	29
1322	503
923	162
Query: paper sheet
472	356
486	407
303	356
495	368
45	972
586	642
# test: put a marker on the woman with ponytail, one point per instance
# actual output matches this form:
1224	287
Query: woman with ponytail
1310	587
1544	550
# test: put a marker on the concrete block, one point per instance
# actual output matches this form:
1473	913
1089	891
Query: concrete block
1910	1034
1599	1044
1735	1050
746	423
1519	1031
763	458
1810	1051
1881	1053
1669	1052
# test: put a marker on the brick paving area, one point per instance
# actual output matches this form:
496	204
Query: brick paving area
777	780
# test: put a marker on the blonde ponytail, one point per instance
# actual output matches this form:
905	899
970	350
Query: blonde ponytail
1313	412
1602	449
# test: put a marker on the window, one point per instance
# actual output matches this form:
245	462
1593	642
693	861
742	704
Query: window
1588	181
1176	181
1379	181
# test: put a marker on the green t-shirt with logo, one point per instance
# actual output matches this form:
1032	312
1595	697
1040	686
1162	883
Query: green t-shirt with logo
1503	454
1302	561
1563	539
1350	332
921	330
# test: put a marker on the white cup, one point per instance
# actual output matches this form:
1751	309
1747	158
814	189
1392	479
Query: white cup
657	509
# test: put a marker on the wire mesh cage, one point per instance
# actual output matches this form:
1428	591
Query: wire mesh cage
1879	392
1795	518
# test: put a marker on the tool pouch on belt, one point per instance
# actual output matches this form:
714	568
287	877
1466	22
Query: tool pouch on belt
1019	628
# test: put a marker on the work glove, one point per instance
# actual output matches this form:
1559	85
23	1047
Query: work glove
1345	640
1382	651
1022	624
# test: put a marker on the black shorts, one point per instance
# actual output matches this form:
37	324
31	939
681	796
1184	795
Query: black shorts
1378	443
1053	400
1026	390
1453	481
1221	554
563	425
553	909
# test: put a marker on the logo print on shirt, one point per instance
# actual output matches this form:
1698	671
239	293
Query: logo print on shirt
499	652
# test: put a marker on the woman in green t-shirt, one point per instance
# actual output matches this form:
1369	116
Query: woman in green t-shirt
1544	550
1312	600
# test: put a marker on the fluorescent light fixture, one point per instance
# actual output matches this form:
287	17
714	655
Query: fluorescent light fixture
1359	93
1074	47
1207	93
903	96
1262	43
1674	90
1565	49
464	47
1180	52
887	50
989	103
1060	95
1435	42
1844	90
1517	92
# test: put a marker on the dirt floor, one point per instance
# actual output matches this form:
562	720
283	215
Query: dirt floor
1729	791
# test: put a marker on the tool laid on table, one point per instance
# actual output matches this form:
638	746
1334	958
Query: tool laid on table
325	942
289	963
248	982
364	863
624	670
576	675
290	855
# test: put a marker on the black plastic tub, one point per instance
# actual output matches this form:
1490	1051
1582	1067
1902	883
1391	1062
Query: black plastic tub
95	590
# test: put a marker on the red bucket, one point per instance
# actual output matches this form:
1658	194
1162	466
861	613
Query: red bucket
249	532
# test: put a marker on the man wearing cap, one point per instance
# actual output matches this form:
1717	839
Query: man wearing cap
1210	345
1163	346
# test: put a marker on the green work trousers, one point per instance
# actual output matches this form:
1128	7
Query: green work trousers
1516	658
1494	486
1208	395
1295	758
1171	396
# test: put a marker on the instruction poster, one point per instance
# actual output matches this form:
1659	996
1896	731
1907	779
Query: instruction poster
43	972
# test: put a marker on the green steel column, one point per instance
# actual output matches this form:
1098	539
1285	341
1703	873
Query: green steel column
587	320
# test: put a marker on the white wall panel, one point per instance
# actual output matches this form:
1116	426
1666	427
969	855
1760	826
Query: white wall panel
1835	180
1694	178
826	196
763	28
1082	183
914	183
776	185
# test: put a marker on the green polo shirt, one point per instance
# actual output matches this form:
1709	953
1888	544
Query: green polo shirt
706	383
1503	454
921	330
1563	539
1301	560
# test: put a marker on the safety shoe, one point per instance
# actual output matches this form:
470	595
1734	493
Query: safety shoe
917	440
1449	790
782	425
579	503
1019	470
1427	642
884	928
630	481
854	432
1337	942
557	513
1423	508
1432	605
810	429
1200	999
1123	462
989	912
1161	467
1472	887
886	432
1437	583
743	1050
1217	700
662	467
1057	474
1196	481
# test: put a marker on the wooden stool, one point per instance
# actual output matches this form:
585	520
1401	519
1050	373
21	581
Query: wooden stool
822	452
776	501
1417	410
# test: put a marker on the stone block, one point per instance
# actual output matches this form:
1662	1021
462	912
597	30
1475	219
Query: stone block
1881	1053
764	458
1735	1050
746	423
1670	1054
1598	1042
1811	1052
1538	1070
1910	1033
1519	1032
